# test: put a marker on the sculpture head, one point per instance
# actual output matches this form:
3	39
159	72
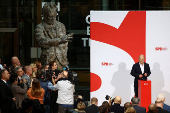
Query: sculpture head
49	12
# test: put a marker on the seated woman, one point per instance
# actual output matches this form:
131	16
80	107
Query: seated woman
35	91
80	108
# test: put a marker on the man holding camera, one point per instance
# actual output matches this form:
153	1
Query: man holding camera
65	89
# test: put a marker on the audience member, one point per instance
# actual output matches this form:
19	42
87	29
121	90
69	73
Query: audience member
26	76
130	110
135	105
36	92
27	106
93	108
15	62
80	108
127	105
18	70
34	70
116	108
159	105
1	67
152	108
106	104
17	91
165	106
103	109
6	97
79	99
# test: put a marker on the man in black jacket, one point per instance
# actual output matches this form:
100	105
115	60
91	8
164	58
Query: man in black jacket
6	97
116	108
140	71
159	105
135	105
93	108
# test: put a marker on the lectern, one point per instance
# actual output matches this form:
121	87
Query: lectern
144	93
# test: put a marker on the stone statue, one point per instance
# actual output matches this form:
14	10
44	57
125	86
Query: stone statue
51	36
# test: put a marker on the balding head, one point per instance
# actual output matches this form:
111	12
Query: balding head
141	59
161	97
117	100
94	100
159	103
152	108
28	70
15	60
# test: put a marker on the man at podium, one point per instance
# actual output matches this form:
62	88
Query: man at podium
140	71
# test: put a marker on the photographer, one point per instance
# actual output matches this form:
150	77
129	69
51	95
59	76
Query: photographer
65	92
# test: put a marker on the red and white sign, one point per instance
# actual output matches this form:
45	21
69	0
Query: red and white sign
119	37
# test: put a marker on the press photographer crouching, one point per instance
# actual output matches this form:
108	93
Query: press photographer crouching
65	89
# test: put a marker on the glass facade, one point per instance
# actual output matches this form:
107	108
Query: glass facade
18	19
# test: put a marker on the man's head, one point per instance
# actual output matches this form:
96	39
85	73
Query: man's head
4	74
53	65
49	12
141	59
161	97
135	100
103	109
94	100
127	105
152	108
18	70
45	67
15	61
159	103
14	78
118	100
28	70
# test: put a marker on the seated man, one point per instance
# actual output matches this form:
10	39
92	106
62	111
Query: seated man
159	105
93	108
135	105
152	108
116	108
165	106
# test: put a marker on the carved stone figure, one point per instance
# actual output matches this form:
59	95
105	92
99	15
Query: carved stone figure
51	36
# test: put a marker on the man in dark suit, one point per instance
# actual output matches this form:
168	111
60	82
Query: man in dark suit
116	108
152	108
159	105
6	97
135	105
165	106
140	71
93	108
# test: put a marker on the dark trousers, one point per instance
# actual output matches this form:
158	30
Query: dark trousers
63	109
136	91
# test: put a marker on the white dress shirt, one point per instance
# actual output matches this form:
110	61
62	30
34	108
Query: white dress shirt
4	81
142	67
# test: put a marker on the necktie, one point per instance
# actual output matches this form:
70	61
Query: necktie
7	84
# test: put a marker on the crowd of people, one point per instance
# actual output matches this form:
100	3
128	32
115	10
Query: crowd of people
44	89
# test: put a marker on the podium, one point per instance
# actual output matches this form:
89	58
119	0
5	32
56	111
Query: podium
144	93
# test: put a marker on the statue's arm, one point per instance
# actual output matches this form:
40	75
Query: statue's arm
43	41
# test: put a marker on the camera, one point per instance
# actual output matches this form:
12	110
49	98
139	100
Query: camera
108	97
72	76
